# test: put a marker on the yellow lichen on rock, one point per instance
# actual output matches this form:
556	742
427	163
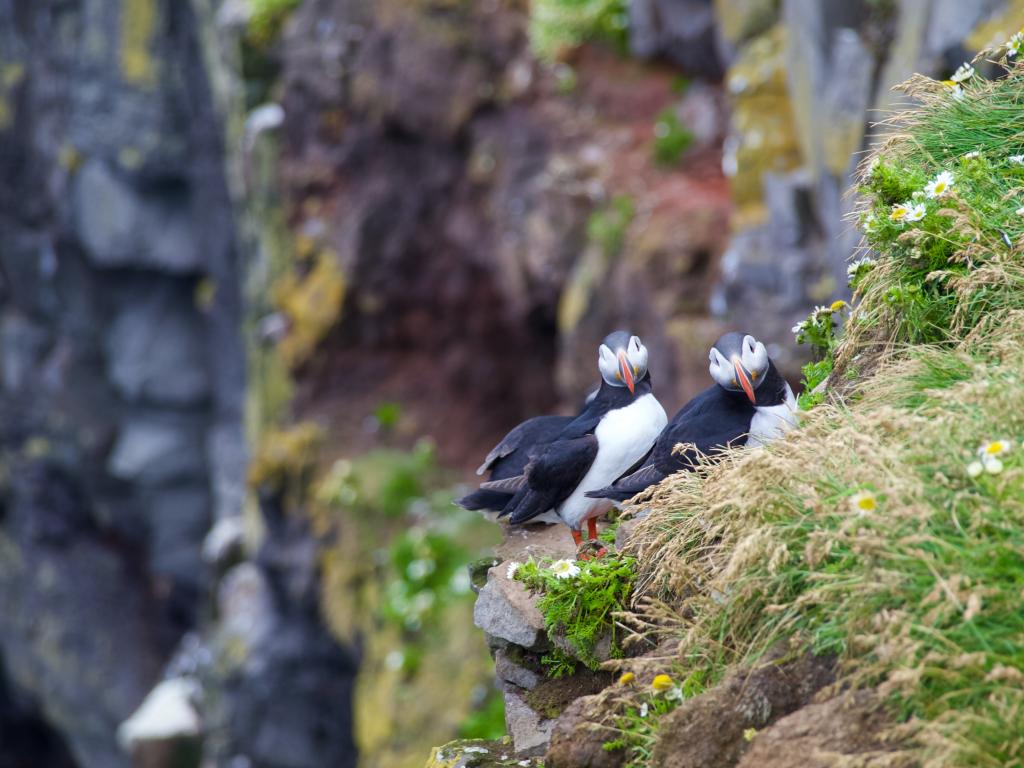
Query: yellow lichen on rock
138	21
312	303
286	457
763	123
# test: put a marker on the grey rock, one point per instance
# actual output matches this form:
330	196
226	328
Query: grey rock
507	669
179	518
155	350
504	609
530	732
681	30
123	226
23	343
151	450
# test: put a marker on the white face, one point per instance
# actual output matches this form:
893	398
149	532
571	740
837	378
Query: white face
753	357
619	367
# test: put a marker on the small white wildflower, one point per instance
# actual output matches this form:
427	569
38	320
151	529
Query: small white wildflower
939	186
1016	159
954	89
995	448
1020	211
799	326
972	155
643	709
863	502
974	469
565	569
993	466
899	212
394	660
869	223
875	162
674	694
915	213
510	572
524	763
865	263
1015	44
963	73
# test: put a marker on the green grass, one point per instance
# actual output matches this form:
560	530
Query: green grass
580	610
920	597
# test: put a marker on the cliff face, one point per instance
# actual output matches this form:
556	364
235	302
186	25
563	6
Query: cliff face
122	369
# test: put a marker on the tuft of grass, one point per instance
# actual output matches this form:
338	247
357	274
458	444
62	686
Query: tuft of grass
873	531
579	611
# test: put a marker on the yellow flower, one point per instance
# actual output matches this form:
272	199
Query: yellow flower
749	734
838	305
864	502
627	678
662	683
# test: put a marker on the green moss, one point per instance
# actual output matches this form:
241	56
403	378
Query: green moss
578	611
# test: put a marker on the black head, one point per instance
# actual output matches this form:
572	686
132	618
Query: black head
622	360
739	363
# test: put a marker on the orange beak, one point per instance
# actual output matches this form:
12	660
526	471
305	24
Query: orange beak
626	372
744	380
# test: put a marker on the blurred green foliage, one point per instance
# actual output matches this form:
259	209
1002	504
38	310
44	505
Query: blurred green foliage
559	25
671	139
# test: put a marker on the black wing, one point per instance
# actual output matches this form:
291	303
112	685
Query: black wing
510	457
552	476
515	446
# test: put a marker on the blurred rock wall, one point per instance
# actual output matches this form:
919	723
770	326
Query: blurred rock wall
122	371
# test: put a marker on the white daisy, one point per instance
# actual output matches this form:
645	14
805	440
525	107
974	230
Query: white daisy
565	569
854	269
974	469
1020	211
995	448
869	223
643	709
993	466
1016	159
899	212
1015	44
799	326
939	186
954	89
963	73
510	572
864	502
972	155
916	213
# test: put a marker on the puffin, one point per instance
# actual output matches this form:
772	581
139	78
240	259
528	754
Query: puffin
614	432
749	404
510	457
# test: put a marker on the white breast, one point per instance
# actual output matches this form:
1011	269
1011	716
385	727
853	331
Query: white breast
623	437
772	421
